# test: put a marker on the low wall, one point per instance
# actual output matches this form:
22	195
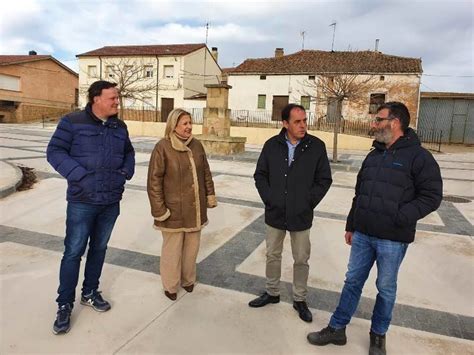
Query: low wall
254	135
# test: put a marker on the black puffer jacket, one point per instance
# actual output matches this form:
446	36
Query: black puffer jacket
395	188
291	193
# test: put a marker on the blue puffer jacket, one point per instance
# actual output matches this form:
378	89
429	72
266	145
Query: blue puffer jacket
95	157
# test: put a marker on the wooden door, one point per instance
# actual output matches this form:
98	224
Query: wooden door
167	106
278	103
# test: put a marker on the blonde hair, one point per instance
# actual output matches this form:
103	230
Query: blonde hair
173	119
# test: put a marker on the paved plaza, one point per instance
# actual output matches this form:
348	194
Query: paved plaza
434	313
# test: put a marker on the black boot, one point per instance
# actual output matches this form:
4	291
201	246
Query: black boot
377	344
303	311
328	335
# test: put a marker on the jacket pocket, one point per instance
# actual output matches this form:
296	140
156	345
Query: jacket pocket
89	141
118	144
84	186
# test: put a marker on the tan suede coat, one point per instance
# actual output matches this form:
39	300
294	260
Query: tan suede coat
180	186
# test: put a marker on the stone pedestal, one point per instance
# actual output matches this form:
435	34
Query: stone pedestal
223	145
215	136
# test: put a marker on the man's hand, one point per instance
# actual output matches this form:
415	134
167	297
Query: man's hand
348	237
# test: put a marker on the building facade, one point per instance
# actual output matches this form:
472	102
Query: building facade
155	77
34	87
270	83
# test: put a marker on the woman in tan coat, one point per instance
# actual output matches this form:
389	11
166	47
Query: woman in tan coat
180	189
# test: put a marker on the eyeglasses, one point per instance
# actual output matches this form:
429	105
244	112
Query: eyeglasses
380	119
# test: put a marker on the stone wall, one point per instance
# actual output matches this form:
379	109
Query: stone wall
29	113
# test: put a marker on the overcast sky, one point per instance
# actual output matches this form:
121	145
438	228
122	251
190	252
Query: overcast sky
438	32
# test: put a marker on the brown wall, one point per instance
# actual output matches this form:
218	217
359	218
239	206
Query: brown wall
403	88
45	88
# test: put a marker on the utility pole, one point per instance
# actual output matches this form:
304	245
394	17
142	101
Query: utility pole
302	33
333	34
205	54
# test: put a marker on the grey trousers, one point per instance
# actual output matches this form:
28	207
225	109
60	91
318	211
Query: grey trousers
301	249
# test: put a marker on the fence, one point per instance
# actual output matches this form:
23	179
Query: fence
249	118
431	139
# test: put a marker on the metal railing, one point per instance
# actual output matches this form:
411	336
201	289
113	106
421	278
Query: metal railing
431	139
355	127
247	118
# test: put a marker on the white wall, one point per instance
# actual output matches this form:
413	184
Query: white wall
167	87
193	72
246	88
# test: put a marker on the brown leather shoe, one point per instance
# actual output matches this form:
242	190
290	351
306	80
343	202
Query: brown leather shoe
171	296
189	288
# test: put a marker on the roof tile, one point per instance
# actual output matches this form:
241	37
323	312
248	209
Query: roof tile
319	62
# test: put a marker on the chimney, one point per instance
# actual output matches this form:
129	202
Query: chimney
32	53
377	44
279	52
214	53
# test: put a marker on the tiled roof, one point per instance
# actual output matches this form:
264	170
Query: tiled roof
20	59
227	70
319	62
14	59
160	50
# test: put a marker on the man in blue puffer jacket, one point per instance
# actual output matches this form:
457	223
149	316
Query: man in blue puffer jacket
92	150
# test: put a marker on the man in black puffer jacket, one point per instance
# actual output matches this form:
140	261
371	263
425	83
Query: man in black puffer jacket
292	177
398	184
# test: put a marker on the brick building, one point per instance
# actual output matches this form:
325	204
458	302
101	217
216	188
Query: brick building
33	87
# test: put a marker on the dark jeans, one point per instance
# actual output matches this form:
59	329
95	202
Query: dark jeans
365	251
85	222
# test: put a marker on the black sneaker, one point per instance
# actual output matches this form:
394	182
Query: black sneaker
62	324
377	344
95	300
328	335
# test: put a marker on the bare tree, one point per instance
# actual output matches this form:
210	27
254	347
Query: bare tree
334	89
135	80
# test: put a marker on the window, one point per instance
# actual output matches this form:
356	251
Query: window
305	100
168	71
263	77
109	71
92	71
311	77
382	78
148	71
262	100
8	82
376	100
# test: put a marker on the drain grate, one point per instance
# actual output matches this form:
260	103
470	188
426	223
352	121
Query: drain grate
456	199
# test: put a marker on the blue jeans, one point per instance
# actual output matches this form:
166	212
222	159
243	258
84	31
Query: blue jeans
85	222
365	251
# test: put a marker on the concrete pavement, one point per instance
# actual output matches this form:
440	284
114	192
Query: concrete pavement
434	313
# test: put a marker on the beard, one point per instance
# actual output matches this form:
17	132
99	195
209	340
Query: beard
383	135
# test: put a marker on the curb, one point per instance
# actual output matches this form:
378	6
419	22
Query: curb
12	185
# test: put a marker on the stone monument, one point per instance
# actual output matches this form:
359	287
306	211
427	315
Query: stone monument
215	136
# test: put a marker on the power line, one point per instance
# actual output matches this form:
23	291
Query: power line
450	76
427	86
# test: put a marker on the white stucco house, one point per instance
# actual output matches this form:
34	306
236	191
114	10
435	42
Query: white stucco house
154	76
268	84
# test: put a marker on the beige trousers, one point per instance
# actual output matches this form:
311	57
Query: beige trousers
178	259
301	249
